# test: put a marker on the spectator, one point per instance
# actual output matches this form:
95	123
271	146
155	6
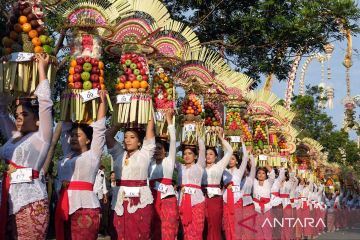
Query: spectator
101	191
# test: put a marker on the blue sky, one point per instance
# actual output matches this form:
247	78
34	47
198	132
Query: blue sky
313	77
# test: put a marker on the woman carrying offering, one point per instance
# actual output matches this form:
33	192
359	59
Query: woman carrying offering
132	201
78	208
166	219
236	191
192	200
212	189
261	198
28	141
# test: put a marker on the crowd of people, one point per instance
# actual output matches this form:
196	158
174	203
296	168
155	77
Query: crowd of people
217	194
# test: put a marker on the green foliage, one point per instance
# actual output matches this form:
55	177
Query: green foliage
316	124
261	37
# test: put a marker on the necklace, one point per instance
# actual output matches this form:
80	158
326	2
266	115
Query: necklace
127	159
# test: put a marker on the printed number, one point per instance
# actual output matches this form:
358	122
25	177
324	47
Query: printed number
236	189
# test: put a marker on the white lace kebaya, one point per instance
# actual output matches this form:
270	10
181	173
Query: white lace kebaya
81	167
30	151
136	169
166	168
213	174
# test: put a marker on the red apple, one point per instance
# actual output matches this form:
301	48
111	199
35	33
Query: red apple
95	70
135	60
122	61
80	61
87	58
142	71
78	69
77	77
128	71
96	85
122	78
94	77
145	77
139	66
78	85
132	77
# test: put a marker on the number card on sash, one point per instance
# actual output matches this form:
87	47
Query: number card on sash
235	189
189	190
22	175
132	191
89	94
161	187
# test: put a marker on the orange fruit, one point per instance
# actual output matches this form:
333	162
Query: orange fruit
101	73
13	35
121	85
136	84
71	85
73	63
128	84
162	75
18	28
71	70
71	78
26	27
144	84
101	65
33	34
23	20
36	41
101	79
38	49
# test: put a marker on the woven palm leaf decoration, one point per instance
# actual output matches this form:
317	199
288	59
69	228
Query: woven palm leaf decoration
90	21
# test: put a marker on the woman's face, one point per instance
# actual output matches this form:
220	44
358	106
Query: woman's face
26	121
112	177
261	175
189	156
131	141
210	156
160	152
232	162
78	140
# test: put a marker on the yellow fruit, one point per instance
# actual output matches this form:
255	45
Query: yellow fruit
23	20
26	27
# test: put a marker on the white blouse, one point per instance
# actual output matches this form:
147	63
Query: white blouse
30	151
286	188
165	169
263	191
82	167
213	174
193	175
136	169
275	200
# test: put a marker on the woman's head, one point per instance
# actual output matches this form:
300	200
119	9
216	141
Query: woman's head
162	147
133	139
189	154
261	174
27	115
81	137
112	176
211	155
234	161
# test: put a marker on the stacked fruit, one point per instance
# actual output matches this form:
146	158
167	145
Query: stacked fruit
86	73
260	136
26	31
233	121
134	75
192	105
246	132
212	115
163	90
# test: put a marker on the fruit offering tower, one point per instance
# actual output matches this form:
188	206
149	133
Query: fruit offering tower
261	110
172	43
25	37
192	125
134	105
90	22
213	121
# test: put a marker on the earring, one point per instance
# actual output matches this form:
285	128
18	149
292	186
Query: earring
37	123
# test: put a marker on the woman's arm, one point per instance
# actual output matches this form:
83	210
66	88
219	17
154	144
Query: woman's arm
172	136
228	152
150	133
202	151
43	94
99	129
253	167
244	161
65	137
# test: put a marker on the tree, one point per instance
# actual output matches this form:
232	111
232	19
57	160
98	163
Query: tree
263	37
316	124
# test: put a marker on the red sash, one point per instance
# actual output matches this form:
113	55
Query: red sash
262	201
277	194
62	208
284	195
157	194
131	183
5	196
230	199
185	207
